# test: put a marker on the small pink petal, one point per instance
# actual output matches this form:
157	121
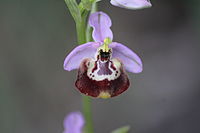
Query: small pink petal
101	24
131	61
131	4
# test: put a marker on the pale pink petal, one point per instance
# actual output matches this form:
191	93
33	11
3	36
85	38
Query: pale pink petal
101	24
74	58
131	61
131	4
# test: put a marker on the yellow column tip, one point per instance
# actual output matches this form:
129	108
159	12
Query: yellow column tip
104	95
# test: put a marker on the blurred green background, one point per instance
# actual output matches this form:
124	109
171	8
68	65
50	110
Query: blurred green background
36	93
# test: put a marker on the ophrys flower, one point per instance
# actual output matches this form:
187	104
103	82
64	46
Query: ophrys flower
101	64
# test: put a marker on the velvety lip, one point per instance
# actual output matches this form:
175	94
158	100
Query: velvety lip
93	88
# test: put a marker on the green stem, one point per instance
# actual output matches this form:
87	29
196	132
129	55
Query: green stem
87	111
80	29
81	35
80	15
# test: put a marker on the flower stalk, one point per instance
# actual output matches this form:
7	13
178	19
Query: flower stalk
86	101
81	32
87	112
80	14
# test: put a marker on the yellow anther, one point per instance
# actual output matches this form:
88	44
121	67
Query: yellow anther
107	41
104	95
105	47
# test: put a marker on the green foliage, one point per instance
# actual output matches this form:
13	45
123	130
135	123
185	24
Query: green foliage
80	13
124	129
86	4
74	10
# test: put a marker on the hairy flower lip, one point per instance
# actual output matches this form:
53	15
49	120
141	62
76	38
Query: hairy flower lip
98	89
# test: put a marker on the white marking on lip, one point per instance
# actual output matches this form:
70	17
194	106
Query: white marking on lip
95	76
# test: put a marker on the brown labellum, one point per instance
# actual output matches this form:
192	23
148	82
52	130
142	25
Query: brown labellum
91	82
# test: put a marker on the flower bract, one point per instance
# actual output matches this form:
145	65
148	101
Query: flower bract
102	64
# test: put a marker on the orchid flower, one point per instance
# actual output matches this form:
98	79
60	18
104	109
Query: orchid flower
131	4
102	64
74	123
